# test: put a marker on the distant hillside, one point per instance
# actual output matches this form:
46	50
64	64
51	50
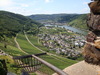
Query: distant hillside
11	23
79	22
54	17
75	20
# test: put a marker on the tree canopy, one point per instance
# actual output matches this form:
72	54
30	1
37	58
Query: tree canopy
11	23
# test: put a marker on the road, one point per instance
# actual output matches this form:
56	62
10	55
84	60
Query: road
50	54
18	46
82	68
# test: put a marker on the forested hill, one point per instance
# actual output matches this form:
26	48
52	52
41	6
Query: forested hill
54	17
75	20
11	23
79	22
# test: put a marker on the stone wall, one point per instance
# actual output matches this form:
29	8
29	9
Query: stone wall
91	51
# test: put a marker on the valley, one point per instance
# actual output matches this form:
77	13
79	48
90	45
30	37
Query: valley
73	20
26	37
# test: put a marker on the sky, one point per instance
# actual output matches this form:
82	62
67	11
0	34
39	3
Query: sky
30	7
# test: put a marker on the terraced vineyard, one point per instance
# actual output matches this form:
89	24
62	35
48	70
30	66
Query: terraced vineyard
11	48
35	41
25	46
57	61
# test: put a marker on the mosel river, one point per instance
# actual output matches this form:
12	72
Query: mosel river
69	28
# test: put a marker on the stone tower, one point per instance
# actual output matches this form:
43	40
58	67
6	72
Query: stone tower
91	51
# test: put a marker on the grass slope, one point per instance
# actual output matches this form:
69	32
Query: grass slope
59	62
52	59
24	44
35	41
79	22
11	48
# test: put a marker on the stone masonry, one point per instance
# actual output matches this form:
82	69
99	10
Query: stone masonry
91	51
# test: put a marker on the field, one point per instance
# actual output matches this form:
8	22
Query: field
24	44
35	41
11	48
57	61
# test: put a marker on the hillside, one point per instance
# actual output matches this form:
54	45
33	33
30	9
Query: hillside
79	22
75	20
11	23
14	42
54	17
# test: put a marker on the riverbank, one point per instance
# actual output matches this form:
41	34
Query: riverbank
73	29
61	41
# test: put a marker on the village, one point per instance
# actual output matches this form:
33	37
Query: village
68	45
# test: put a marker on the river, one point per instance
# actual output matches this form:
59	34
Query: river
69	28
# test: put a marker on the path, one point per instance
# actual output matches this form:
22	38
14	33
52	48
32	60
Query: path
32	44
82	68
4	53
18	46
42	50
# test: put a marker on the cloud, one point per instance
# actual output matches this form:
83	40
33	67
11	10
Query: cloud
24	5
5	3
19	7
85	10
47	1
17	10
85	3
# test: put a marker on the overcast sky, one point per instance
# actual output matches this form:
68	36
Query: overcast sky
29	7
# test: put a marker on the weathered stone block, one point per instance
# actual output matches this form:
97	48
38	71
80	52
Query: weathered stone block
93	22
95	7
91	54
97	43
91	37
